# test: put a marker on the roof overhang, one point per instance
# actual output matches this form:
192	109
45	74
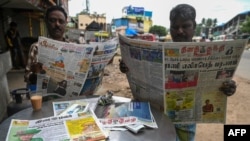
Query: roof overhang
18	4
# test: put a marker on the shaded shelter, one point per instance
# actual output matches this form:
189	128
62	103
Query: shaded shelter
93	26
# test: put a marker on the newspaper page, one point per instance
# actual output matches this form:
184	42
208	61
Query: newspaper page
61	106
65	66
145	63
193	74
188	76
51	128
104	52
126	113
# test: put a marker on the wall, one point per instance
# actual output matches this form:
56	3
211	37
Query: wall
30	23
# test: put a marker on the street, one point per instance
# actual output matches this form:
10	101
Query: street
243	69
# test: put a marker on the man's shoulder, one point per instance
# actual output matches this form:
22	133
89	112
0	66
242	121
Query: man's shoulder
34	46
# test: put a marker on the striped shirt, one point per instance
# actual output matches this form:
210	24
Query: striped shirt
185	132
32	59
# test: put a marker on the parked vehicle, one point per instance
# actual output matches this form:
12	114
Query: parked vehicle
147	37
224	37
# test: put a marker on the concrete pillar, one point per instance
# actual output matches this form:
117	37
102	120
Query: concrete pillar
5	66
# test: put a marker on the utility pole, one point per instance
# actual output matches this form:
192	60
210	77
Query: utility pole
87	6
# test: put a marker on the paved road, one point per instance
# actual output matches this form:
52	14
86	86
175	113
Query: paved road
243	69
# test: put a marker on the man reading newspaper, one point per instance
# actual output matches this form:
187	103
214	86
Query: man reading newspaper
182	29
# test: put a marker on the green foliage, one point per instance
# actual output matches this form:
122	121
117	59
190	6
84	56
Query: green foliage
198	30
158	30
205	23
245	26
209	22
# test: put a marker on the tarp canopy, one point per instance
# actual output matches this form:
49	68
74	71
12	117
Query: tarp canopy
18	4
93	26
131	32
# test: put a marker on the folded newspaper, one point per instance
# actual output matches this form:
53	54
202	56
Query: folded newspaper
57	128
183	78
126	113
74	106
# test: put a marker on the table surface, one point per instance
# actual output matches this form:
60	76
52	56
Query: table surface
165	130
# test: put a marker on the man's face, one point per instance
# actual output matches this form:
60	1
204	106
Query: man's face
182	30
56	23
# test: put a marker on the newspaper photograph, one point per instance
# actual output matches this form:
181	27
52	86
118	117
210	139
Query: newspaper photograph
185	79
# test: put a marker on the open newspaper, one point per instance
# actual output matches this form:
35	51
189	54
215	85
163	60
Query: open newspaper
104	52
58	128
126	113
71	69
182	78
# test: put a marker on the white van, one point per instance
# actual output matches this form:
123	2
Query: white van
224	37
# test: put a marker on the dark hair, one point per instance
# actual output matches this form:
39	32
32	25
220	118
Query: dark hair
13	24
185	11
54	8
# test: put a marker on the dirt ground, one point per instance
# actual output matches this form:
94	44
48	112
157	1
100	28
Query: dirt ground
238	111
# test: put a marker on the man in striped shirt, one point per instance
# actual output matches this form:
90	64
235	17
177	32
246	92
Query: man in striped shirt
56	20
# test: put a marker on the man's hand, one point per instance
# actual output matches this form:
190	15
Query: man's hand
123	66
228	87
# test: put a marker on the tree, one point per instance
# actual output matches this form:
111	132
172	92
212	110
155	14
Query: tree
245	26
204	26
158	30
198	30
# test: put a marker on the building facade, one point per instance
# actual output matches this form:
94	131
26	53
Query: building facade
232	27
135	18
85	19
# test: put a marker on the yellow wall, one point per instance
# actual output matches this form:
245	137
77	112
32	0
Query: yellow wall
147	23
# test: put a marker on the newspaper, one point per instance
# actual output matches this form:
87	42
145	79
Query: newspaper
85	128
88	103
51	128
182	77
71	69
126	113
104	52
58	128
